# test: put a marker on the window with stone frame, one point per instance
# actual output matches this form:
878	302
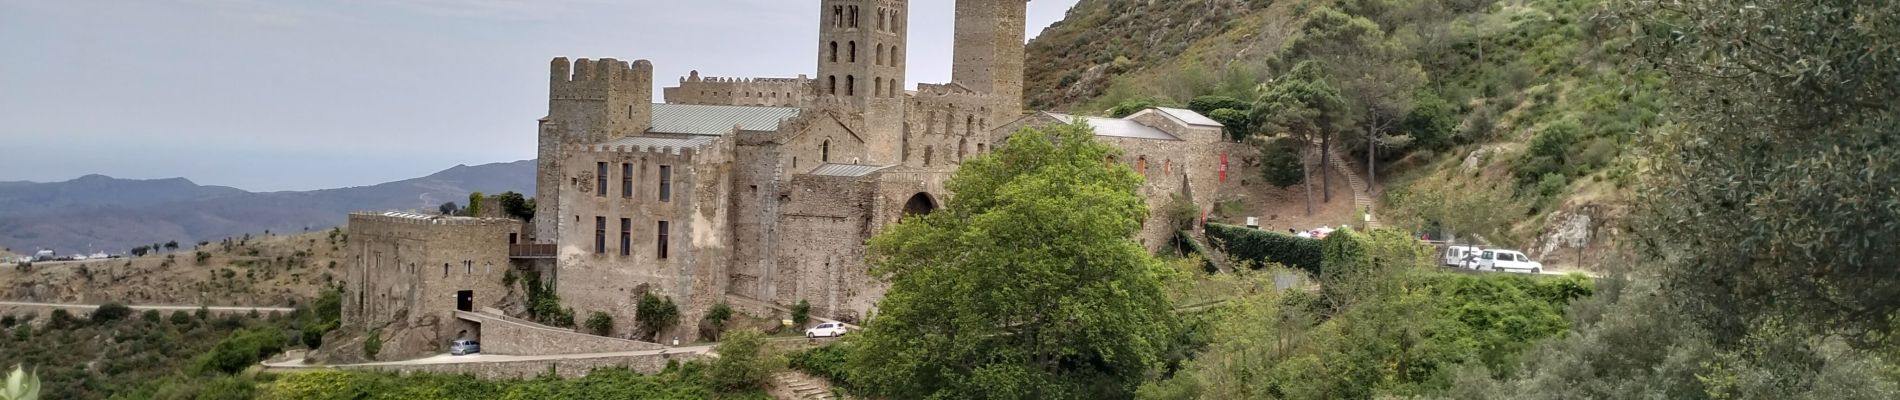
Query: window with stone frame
666	183
600	177
600	235
626	236
626	180
662	240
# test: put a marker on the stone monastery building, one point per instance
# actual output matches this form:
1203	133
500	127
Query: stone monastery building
757	189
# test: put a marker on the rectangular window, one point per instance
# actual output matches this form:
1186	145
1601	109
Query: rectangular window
626	180
662	240
626	236
600	175
600	235
666	183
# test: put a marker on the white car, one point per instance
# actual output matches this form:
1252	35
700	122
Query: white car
828	329
1465	257
1508	261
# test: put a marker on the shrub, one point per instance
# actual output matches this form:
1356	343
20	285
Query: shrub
152	317
1262	247
1281	163
1185	241
1237	123
180	318
801	313
741	366
242	349
373	344
826	362
600	323
718	315
61	319
7	321
110	312
312	335
655	314
202	257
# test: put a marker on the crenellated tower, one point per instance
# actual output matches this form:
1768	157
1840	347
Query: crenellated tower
589	102
861	45
989	51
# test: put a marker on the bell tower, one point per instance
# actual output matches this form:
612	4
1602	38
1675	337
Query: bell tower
861	45
989	51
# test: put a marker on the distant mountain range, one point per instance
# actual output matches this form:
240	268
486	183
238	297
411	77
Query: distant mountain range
101	213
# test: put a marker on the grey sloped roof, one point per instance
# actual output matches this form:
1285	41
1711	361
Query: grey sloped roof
1189	116
650	141
847	170
1117	127
692	119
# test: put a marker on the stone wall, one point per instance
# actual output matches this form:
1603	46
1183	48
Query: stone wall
611	277
945	124
821	245
413	269
782	92
528	369
589	101
510	336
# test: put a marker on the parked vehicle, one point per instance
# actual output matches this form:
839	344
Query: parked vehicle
828	329
462	347
1462	256
1508	261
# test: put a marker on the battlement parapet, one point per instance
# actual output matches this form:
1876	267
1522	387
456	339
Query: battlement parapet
605	69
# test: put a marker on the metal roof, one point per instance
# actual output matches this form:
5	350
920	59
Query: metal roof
1189	116
1117	127
847	169
692	119
651	141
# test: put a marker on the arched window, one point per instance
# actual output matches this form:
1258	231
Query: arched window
891	87
837	16
854	51
850	85
854	16
834	84
969	125
880	54
1141	165
980	149
824	151
962	144
834	51
880	18
877	87
1167	167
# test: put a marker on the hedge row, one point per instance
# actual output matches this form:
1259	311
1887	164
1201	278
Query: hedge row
1185	240
1261	247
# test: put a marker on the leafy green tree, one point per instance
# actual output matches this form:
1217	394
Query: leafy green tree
474	204
1308	109
1281	163
742	364
717	318
655	314
180	318
801	313
515	205
1026	285
1376	75
1774	201
373	344
1209	104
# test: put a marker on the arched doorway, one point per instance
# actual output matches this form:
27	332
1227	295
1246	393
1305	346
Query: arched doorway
920	204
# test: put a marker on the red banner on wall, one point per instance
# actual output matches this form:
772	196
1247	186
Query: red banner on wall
1223	167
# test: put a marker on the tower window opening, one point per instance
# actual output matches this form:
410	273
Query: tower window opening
854	50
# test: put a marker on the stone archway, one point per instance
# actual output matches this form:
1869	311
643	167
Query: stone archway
920	204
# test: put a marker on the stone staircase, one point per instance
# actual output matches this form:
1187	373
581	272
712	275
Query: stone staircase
802	386
1361	192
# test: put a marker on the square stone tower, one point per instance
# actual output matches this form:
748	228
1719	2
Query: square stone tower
589	102
989	52
861	47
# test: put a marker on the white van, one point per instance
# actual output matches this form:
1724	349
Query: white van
1462	257
1508	261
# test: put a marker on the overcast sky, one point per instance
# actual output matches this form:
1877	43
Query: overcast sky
296	95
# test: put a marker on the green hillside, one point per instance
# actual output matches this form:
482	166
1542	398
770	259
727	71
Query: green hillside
1521	107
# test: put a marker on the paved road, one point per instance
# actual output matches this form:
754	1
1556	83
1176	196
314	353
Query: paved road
150	307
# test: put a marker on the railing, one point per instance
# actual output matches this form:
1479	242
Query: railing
532	250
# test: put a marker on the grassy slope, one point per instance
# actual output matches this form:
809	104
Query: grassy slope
1511	72
265	270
